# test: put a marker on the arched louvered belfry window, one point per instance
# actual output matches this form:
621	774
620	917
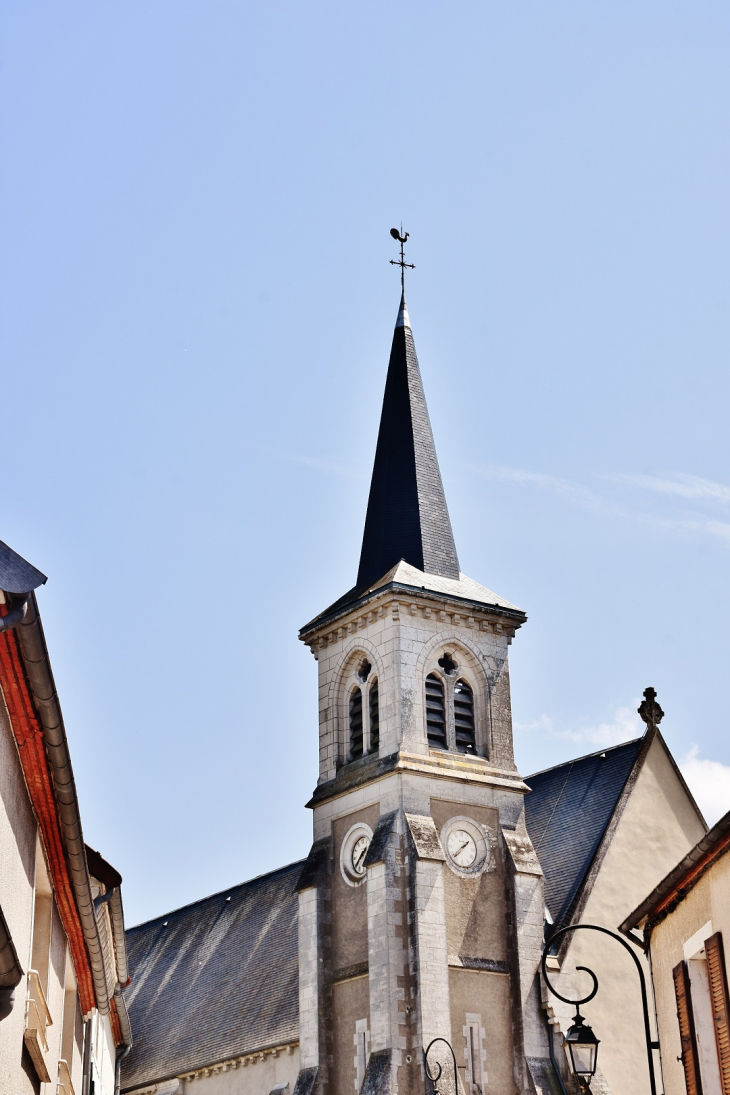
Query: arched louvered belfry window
374	709
356	723
464	717
436	712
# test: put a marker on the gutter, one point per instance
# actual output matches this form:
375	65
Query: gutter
124	1024
40	679
111	879
11	973
120	942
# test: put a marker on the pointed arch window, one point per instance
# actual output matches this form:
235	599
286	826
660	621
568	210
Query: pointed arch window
465	739
436	712
356	723
374	711
451	707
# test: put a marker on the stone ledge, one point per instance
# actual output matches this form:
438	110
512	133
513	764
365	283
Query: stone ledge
449	766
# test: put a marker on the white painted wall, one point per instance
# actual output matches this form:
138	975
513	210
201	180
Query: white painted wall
17	872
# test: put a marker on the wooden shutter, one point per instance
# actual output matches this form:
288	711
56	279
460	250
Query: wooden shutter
690	1056
717	976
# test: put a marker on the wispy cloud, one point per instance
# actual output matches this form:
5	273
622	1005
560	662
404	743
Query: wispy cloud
679	485
709	782
689	487
573	492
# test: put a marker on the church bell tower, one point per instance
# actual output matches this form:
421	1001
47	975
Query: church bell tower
421	903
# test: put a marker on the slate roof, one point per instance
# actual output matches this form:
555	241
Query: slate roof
17	575
214	980
406	516
567	814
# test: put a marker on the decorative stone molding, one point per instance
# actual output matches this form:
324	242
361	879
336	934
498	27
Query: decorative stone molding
425	611
236	1062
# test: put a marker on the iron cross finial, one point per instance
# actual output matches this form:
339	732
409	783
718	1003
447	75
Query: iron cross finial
402	261
650	710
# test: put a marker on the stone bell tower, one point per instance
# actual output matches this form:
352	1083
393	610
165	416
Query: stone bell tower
421	904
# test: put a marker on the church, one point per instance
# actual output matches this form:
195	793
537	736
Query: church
436	871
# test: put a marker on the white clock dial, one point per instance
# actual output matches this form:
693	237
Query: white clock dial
359	851
461	847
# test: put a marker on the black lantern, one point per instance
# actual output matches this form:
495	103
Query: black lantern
581	1049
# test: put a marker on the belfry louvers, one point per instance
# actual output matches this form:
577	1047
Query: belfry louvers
406	516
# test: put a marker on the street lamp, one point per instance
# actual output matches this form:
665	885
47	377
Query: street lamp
581	1044
581	1049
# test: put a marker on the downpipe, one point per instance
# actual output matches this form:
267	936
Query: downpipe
121	1054
14	616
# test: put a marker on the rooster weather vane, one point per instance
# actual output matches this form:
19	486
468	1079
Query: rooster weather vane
402	260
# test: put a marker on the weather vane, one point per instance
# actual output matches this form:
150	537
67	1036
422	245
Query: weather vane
402	260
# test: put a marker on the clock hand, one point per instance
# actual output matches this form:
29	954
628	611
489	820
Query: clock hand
461	849
360	857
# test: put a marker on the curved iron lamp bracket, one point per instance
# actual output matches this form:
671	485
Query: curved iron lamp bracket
650	1044
435	1078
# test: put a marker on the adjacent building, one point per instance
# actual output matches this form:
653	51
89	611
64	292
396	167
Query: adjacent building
685	926
63	1021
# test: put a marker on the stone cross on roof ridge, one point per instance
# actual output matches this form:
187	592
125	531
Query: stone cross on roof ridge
650	710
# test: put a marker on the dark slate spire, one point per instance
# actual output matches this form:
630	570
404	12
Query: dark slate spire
407	516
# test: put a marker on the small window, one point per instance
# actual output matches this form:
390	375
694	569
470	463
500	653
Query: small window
464	717
356	723
435	712
374	717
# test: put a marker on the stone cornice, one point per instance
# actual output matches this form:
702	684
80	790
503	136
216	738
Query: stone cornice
448	766
403	601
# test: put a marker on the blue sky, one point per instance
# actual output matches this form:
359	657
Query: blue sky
197	310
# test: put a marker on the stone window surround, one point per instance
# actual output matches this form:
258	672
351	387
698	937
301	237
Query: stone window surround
474	1053
348	682
474	676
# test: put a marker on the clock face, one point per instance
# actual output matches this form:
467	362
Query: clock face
462	847
353	853
357	856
